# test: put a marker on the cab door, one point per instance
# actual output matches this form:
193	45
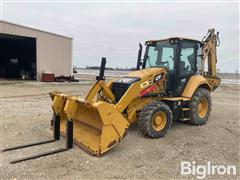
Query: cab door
186	64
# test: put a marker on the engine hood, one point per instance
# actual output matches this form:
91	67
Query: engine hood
145	73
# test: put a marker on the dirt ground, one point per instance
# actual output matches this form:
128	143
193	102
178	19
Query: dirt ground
25	117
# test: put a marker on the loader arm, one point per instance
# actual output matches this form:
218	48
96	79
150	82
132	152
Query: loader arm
96	88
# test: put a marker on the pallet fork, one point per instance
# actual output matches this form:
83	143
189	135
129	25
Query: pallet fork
59	101
56	137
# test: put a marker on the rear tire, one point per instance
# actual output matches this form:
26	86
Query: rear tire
200	107
155	119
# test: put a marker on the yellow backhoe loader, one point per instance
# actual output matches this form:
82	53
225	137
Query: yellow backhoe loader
171	83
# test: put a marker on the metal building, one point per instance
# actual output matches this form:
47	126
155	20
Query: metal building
30	52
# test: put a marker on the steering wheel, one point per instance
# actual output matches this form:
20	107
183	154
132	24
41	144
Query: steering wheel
165	64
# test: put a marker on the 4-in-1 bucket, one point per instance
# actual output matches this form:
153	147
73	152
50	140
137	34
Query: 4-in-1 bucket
97	126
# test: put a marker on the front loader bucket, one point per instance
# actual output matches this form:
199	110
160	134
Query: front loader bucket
97	126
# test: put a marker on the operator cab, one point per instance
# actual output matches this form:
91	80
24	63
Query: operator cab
180	56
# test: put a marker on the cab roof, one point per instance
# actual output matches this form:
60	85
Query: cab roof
179	38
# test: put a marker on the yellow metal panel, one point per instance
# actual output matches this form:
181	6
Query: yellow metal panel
109	138
98	126
193	83
146	73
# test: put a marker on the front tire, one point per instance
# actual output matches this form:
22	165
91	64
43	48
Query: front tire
200	107
155	119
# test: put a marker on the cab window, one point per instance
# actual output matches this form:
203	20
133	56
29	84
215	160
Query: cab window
187	64
162	54
167	56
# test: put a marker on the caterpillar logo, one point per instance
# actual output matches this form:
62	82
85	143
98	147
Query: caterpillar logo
145	84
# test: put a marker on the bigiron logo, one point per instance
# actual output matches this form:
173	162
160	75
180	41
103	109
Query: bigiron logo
209	169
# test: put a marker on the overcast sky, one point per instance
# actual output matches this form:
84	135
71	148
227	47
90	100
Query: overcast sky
114	30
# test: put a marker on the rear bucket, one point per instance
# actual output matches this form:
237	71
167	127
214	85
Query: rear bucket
97	127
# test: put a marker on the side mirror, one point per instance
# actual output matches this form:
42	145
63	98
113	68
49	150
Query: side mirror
139	59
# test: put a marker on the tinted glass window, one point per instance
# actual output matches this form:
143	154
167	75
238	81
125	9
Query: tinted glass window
161	55
187	59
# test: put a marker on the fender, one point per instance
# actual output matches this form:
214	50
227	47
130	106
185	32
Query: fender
193	83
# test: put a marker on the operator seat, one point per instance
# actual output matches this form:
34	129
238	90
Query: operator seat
183	69
191	61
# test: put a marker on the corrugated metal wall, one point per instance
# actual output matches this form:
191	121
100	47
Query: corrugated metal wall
54	52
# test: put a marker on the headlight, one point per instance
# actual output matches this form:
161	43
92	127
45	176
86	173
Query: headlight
128	80
158	77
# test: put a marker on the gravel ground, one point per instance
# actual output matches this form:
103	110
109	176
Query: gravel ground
26	114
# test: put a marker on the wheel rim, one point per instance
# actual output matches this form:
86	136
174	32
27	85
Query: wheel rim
159	121
202	108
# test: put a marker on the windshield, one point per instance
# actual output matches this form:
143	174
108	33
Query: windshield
161	54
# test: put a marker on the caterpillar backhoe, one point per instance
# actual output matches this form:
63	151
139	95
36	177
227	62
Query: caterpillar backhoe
171	83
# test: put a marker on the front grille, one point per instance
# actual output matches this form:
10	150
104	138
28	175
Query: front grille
119	89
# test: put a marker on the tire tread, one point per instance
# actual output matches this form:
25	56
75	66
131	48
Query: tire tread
145	118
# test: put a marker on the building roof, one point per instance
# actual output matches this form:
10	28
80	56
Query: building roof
35	29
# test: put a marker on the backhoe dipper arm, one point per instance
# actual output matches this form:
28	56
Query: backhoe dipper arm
209	51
